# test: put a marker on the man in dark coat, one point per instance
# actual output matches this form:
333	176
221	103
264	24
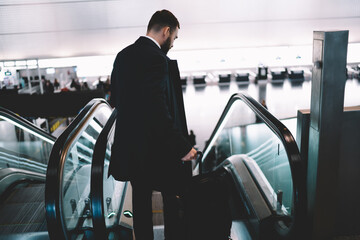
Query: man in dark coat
151	147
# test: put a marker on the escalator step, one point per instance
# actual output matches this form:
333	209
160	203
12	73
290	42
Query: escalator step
22	213
22	228
43	235
31	193
19	218
23	209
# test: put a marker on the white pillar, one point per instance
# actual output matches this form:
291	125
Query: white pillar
40	81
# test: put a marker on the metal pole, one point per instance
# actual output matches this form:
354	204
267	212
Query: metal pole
1	69
28	76
40	80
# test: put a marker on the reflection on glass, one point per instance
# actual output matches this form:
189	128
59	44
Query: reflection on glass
243	132
76	202
21	148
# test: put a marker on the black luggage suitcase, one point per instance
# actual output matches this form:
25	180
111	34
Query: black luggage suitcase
207	211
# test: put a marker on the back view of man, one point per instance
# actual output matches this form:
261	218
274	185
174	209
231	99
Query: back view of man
151	147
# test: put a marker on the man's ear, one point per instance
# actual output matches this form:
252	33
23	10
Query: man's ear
166	31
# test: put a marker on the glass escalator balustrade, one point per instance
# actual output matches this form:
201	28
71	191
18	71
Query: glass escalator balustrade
243	132
22	148
76	202
113	190
109	196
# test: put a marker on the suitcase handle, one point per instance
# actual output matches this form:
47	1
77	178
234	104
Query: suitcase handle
199	156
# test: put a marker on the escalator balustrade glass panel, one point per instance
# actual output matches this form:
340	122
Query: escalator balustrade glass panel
113	190
22	148
75	192
243	132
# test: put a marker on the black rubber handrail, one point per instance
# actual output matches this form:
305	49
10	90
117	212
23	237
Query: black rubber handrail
97	176
22	121
298	172
55	223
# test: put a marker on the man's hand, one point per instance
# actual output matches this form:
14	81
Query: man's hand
190	156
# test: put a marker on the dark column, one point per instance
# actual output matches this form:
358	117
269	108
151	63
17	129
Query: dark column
327	100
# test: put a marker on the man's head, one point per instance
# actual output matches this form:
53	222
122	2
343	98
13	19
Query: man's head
163	27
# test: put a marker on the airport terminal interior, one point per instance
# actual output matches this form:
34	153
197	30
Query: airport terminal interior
271	92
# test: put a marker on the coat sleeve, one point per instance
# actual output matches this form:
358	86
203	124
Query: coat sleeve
161	124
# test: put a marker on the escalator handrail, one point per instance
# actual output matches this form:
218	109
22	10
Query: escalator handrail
97	176
55	222
296	165
22	121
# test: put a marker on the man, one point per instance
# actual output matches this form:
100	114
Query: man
192	138
151	147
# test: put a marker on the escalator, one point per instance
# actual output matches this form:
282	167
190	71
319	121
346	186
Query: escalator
33	166
24	153
67	193
259	153
268	190
269	178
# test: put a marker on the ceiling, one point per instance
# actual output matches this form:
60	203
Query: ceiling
52	29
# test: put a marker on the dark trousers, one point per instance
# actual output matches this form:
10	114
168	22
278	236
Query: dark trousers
142	212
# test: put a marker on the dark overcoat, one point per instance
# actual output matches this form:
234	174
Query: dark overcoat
151	134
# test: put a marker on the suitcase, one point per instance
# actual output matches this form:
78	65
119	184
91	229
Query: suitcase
207	210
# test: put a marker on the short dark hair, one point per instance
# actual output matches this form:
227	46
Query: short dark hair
163	18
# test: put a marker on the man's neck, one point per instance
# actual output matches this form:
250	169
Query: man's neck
153	39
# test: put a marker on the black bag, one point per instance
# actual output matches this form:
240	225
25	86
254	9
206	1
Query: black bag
207	211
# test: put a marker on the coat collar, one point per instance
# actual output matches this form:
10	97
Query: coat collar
149	42
157	44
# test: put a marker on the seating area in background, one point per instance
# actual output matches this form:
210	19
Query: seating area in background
274	75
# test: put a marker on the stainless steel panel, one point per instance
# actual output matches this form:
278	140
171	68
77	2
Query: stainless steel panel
316	82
